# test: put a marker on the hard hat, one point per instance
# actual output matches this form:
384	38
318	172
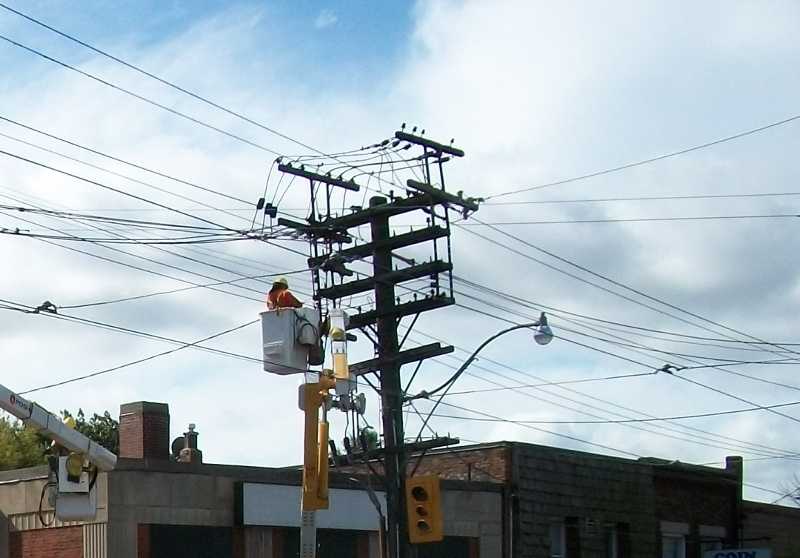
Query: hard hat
282	281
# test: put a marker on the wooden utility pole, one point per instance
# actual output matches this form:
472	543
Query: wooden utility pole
327	236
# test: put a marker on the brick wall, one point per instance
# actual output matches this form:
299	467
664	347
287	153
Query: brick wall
479	464
62	542
696	500
486	465
588	492
774	527
144	430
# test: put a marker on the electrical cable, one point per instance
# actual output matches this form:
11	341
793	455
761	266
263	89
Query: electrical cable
667	369
160	80
648	161
542	430
554	311
597	399
217	191
732	396
137	361
172	291
137	96
166	108
27	309
623	286
632	220
676	417
648	198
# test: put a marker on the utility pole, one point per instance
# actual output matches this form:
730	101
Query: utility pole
391	386
328	236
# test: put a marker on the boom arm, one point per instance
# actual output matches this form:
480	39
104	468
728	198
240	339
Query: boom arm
51	426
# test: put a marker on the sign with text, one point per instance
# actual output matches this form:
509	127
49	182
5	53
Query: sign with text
739	553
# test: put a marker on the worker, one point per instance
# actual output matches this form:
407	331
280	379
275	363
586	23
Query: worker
280	296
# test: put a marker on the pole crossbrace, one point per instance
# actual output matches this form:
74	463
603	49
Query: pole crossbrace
403	357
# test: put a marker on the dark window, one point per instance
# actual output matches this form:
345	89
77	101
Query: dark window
450	547
331	543
572	537
618	540
184	541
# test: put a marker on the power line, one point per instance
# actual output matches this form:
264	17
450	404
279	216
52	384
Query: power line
137	361
160	80
632	220
27	309
625	421
137	96
554	311
648	161
172	291
707	441
557	383
536	428
169	109
528	374
113	189
732	396
647	198
623	286
126	177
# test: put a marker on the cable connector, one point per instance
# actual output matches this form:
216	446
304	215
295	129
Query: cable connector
46	306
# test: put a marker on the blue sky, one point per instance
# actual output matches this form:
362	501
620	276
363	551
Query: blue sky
534	92
330	44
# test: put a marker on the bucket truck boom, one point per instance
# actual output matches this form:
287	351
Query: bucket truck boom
75	496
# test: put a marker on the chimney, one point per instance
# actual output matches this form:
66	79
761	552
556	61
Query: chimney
735	464
144	430
190	453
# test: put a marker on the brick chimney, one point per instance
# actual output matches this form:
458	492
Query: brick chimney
144	430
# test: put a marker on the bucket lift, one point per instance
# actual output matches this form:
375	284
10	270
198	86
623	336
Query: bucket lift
292	345
291	340
75	469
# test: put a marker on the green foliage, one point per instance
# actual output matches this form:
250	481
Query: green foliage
20	446
103	429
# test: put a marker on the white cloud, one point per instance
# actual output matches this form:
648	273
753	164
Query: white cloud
533	92
325	18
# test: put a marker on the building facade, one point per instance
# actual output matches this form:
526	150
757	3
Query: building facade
151	506
500	500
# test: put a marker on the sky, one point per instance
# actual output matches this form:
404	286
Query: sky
535	93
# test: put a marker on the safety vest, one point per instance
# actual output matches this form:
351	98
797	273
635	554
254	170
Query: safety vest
282	298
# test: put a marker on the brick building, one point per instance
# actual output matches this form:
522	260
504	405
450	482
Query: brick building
500	500
570	504
151	506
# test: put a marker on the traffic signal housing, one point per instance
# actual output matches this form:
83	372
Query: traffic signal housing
424	509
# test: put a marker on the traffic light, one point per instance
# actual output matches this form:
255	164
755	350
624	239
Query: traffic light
424	508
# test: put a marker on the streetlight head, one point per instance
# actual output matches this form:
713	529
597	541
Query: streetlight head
543	334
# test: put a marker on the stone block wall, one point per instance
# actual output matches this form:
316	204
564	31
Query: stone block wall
590	494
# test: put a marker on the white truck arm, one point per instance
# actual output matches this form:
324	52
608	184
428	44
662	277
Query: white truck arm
52	426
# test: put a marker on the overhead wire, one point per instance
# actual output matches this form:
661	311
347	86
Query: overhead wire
632	220
159	105
528	374
647	161
618	284
623	421
645	198
135	362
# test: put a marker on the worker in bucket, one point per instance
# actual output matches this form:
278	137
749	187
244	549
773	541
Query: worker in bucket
280	296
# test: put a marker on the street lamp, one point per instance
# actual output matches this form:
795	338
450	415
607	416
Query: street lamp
542	335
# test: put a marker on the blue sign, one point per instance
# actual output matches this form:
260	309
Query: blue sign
739	553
